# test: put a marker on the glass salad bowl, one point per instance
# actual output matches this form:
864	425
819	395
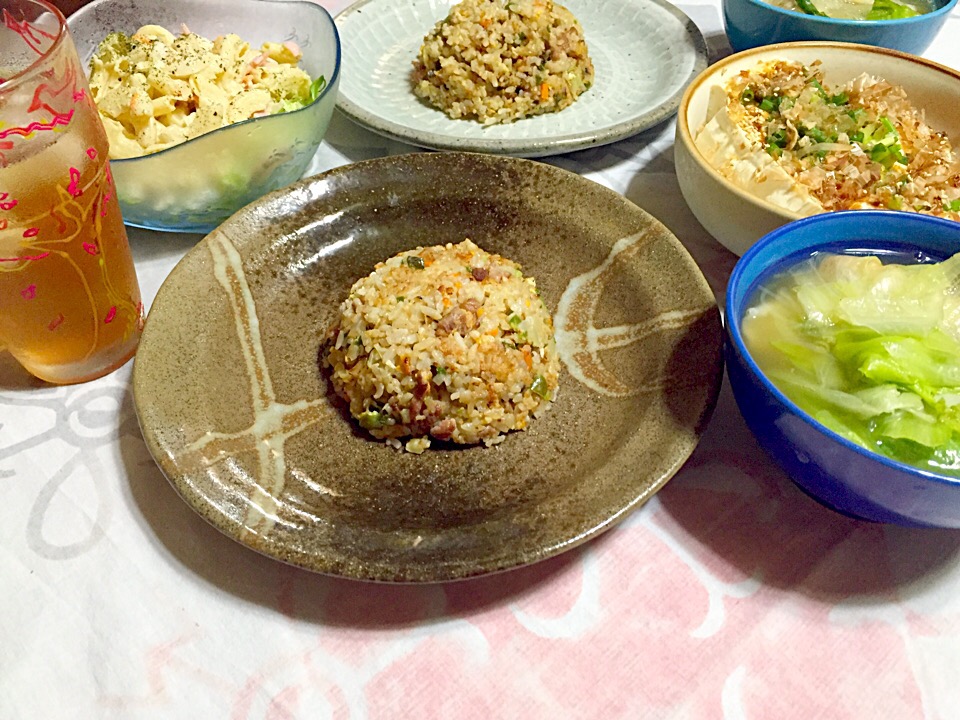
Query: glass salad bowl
194	186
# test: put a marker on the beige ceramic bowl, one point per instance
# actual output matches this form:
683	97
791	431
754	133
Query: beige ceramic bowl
735	217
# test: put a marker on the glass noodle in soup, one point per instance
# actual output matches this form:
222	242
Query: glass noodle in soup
858	9
869	346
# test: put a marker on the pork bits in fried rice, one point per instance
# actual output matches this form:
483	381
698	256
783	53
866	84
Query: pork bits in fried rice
447	342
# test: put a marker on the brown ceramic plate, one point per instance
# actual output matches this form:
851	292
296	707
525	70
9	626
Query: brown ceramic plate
238	417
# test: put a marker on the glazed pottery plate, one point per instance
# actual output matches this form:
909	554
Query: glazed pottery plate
239	417
644	52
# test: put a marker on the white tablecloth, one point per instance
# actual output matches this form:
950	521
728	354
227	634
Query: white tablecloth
729	595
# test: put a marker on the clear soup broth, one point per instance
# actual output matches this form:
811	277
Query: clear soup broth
854	10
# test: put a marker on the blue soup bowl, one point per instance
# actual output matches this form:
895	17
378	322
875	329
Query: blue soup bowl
834	471
751	23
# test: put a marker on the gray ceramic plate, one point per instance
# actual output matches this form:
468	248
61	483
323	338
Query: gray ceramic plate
645	52
237	415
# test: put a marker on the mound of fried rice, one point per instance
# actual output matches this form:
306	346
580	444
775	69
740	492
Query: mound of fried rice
502	60
447	342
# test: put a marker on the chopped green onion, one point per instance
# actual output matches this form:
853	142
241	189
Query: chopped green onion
514	321
952	206
815	134
839	99
539	387
372	420
401	298
771	103
887	155
879	152
820	89
416	262
747	96
778	138
869	132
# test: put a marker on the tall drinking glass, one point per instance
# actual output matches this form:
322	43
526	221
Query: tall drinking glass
70	307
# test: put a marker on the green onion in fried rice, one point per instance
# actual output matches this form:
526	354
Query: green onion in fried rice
443	343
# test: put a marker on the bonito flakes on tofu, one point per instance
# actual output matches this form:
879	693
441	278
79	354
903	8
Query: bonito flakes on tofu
155	90
448	342
781	133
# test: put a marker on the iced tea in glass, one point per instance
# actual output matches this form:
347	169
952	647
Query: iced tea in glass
70	307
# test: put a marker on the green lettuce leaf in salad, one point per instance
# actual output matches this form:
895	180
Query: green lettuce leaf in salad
316	88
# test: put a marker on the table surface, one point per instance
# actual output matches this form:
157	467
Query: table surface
730	594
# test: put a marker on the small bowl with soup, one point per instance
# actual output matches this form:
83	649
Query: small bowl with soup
843	353
906	25
777	133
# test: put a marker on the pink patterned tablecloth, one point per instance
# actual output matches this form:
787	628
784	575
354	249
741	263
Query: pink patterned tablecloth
729	595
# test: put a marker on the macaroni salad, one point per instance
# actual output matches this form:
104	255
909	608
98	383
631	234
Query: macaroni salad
155	90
